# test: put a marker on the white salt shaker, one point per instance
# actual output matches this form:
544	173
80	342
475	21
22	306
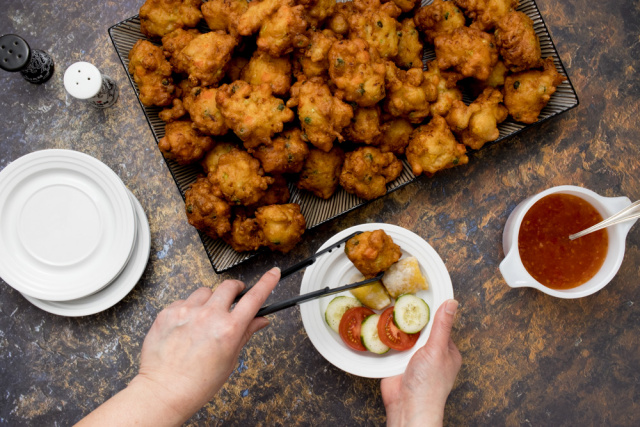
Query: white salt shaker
84	81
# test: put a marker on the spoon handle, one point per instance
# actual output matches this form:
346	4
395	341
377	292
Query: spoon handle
625	214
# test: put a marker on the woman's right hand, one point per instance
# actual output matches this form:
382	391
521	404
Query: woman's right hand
418	397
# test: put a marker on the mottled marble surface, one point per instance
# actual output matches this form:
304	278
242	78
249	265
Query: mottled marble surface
528	359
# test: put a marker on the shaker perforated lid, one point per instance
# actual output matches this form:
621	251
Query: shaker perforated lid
14	53
82	80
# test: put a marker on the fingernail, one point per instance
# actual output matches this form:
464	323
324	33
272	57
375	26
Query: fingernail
451	306
275	270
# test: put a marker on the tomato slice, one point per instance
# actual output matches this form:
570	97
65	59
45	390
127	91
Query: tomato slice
350	326
393	337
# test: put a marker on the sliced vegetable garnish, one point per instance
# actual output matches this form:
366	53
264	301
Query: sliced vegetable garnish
393	337
369	335
350	325
411	314
336	309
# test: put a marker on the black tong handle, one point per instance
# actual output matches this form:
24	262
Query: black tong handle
312	295
305	262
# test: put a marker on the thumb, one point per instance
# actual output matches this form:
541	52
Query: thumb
442	324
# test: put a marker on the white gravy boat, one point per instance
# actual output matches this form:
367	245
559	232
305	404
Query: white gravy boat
517	276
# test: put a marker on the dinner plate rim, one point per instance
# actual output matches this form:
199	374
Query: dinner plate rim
119	288
319	333
92	172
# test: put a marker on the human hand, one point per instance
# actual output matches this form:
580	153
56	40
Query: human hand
418	397
193	345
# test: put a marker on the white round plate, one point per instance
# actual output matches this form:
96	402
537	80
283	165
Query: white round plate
119	288
66	225
335	269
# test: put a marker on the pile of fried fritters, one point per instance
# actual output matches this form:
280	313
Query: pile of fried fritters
327	94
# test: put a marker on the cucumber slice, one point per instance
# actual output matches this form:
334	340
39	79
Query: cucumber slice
410	314
336	308
369	335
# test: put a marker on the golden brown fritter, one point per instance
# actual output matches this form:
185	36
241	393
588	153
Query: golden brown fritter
439	17
206	56
377	26
283	31
240	178
405	5
496	80
410	92
223	14
372	252
321	172
471	52
357	72
266	69
282	225
281	24
395	136
184	144
316	11
366	172
410	49
210	161
447	92
452	77
365	125
517	42
432	147
257	13
173	113
277	193
234	68
486	13
159	17
528	92
252	112
183	88
205	211
312	60
497	76
172	45
338	22
203	109
246	235
322	115
303	67
286	153
477	123
152	73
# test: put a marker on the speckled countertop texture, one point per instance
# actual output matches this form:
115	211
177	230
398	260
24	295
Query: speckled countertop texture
529	359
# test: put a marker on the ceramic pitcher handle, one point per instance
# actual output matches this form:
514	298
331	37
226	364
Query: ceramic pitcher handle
617	204
513	271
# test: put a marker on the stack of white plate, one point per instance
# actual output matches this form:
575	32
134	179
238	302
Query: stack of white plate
73	240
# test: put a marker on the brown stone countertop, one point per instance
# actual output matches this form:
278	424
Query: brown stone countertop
528	359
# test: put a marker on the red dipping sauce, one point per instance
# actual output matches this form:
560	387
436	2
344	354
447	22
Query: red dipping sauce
545	249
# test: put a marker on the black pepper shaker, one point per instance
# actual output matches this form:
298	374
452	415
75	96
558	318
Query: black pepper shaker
34	65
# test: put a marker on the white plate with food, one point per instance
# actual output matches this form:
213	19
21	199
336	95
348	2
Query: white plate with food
119	288
335	269
67	227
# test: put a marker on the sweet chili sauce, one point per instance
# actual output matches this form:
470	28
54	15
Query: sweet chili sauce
545	249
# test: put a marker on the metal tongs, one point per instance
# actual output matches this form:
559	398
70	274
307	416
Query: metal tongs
272	308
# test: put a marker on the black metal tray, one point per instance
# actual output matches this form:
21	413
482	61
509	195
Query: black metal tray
315	210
